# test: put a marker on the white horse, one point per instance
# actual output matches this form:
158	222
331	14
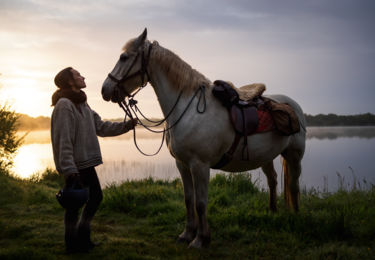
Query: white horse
199	140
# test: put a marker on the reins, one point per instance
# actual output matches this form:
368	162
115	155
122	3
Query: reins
130	108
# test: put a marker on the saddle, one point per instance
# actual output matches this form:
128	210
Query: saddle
242	104
252	113
243	108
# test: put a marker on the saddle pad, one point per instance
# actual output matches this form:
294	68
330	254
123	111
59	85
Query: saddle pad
265	121
250	91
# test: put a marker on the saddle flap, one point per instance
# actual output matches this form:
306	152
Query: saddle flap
244	119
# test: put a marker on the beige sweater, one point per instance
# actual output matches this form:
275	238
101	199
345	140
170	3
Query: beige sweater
74	136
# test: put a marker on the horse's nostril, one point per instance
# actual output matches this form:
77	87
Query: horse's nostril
106	96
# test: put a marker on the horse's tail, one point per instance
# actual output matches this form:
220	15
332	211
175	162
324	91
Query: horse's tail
287	188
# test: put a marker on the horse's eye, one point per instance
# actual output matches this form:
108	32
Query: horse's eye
123	57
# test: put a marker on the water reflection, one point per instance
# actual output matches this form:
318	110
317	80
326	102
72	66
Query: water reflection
332	132
331	152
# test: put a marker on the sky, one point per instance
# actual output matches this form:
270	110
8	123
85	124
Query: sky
319	52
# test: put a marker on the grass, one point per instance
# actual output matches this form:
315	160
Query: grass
142	219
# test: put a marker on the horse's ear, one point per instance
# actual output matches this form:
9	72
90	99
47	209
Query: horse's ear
141	39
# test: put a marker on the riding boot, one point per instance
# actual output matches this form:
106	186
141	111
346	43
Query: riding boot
70	231
84	240
71	241
90	179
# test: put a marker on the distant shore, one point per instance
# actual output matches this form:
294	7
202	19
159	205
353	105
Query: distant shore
28	123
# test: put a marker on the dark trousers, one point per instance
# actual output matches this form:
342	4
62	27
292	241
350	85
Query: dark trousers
78	233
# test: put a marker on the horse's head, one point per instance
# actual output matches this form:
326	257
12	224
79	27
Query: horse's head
130	71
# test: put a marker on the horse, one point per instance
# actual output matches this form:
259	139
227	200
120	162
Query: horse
199	131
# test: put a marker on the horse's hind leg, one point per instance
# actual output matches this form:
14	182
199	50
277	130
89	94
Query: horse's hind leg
191	225
201	177
270	172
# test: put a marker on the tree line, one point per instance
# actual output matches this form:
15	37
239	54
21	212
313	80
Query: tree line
367	119
28	123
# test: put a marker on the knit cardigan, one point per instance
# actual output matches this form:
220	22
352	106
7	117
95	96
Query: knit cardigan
74	131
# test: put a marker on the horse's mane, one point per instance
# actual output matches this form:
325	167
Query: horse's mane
181	75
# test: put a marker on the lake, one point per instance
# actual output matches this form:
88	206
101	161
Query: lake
335	157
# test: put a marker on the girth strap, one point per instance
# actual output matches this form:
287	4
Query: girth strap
227	157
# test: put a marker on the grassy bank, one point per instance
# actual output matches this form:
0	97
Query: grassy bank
142	219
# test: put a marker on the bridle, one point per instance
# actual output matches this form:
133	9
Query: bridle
130	107
143	72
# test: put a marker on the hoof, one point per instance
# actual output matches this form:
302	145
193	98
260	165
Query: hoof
185	238
199	243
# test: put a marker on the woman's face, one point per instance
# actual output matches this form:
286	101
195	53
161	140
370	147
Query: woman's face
78	80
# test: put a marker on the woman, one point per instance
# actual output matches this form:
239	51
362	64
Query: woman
74	130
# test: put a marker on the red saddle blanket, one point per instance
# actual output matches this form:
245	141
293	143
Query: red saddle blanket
265	121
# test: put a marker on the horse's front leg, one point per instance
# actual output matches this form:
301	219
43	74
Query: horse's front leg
191	225
201	177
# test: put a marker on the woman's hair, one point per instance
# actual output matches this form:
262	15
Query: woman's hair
62	78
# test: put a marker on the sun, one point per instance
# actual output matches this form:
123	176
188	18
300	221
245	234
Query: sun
25	96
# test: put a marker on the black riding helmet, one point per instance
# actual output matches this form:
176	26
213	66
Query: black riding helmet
73	197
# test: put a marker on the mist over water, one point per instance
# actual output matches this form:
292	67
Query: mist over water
331	132
335	157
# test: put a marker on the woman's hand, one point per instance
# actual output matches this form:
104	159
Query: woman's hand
130	124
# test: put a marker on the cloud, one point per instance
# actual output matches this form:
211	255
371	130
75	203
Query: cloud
301	48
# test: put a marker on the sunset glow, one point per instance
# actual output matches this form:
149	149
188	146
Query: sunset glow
314	51
33	158
24	96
